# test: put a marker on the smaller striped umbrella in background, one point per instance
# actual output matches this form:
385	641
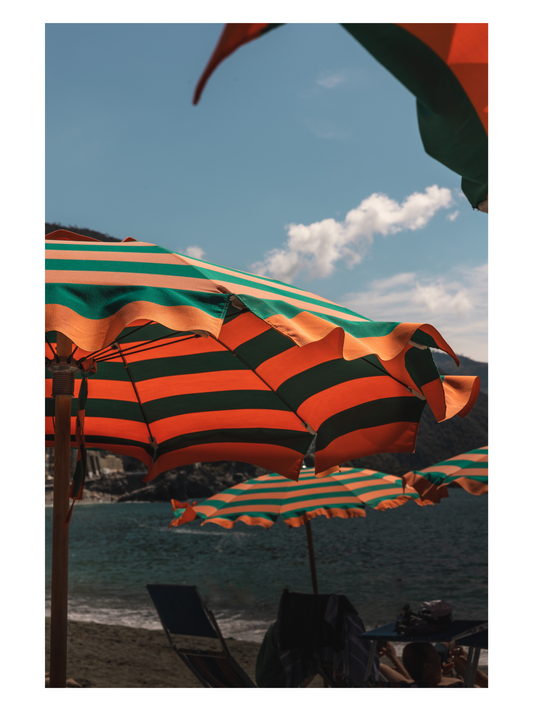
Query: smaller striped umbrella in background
261	501
469	470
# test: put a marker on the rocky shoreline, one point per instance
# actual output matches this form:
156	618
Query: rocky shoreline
191	482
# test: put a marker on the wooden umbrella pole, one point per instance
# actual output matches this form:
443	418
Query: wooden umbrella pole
59	586
311	556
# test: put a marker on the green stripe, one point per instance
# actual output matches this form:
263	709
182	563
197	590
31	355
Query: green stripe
106	300
319	378
106	247
261	348
450	128
421	367
212	402
124	267
265	308
369	414
110	441
193	364
299	442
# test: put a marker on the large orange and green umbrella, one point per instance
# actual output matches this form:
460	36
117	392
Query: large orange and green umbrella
469	470
174	360
262	501
445	66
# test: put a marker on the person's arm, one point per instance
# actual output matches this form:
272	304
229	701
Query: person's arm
460	659
387	650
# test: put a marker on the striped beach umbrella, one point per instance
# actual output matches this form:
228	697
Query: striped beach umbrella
261	501
445	66
469	470
183	361
174	360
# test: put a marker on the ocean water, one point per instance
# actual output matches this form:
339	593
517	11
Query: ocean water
405	555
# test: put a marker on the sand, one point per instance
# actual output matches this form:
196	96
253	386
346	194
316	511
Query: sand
112	656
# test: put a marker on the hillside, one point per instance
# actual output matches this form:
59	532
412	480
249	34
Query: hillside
53	226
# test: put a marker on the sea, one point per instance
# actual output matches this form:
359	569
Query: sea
405	555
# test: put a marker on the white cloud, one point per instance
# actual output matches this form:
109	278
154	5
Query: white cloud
455	304
331	79
317	248
194	252
452	216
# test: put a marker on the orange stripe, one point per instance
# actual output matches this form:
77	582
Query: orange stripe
293	361
220	381
249	520
250	508
319	407
393	503
394	437
328	513
191	422
464	48
110	427
469	456
447	470
242	329
92	335
472	486
461	393
283	460
122	256
392	493
298	505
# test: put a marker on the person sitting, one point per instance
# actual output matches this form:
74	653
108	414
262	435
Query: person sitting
459	658
423	664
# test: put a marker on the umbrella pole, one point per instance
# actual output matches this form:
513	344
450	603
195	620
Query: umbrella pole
59	586
311	556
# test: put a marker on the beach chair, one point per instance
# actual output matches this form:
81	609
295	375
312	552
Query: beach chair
182	611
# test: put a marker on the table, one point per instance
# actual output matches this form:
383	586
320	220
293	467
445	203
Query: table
388	633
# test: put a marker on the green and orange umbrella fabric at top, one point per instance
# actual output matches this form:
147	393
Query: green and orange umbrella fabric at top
261	501
173	360
469	470
445	66
182	361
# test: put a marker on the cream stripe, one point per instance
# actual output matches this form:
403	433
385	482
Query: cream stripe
58	276
260	293
255	278
97	255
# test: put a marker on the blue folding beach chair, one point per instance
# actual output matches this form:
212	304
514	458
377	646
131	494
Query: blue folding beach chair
182	611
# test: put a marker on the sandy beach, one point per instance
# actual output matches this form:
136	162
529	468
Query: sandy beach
112	656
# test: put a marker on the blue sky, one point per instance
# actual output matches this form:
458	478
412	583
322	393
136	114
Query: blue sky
302	161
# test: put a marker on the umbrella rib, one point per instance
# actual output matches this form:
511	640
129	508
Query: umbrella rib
108	355
307	427
385	372
151	437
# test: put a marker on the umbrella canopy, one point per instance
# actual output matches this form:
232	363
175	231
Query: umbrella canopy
178	361
261	501
445	66
469	470
186	361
